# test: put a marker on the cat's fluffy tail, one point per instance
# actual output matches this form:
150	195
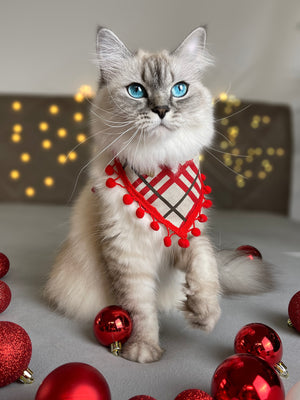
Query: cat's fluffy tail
239	274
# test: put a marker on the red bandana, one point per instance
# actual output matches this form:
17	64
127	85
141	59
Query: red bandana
174	200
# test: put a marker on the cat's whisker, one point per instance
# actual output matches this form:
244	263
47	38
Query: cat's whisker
223	136
94	158
129	141
226	166
112	124
235	113
226	152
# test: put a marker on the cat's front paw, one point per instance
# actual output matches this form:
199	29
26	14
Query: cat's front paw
201	312
142	352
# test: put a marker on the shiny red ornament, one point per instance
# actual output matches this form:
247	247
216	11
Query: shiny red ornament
294	311
246	377
5	296
4	265
74	381
142	397
113	327
250	251
193	394
15	352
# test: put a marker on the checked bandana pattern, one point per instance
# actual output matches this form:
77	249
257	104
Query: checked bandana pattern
174	200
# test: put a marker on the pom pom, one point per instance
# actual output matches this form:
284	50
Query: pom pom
203	177
5	296
196	232
184	243
167	241
127	199
207	189
142	397
202	218
110	183
4	265
207	203
154	225
109	170
140	212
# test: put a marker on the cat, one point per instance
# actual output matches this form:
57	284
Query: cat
151	110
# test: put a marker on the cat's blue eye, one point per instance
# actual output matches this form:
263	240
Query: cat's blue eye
179	89
136	90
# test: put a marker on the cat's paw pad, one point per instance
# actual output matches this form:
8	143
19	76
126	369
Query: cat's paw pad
142	352
202	313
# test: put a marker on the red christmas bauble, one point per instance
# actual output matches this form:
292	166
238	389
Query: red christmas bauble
243	377
250	251
193	394
15	352
112	324
142	397
5	296
4	265
74	381
294	311
259	340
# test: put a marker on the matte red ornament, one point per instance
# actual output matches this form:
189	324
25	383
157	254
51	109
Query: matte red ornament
74	381
113	327
142	397
294	311
262	341
4	265
5	296
250	251
15	352
246	377
193	394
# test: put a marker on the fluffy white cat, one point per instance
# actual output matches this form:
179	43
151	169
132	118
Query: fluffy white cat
151	110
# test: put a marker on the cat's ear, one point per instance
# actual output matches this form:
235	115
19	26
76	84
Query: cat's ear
111	53
193	48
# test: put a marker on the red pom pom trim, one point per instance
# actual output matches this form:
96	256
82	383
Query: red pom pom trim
207	203
110	183
202	218
154	225
127	199
109	170
203	177
167	241
196	232
184	243
207	189
140	212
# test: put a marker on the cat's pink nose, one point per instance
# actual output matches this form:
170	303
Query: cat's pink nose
161	110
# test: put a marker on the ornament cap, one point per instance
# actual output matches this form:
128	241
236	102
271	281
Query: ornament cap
116	348
27	377
282	370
